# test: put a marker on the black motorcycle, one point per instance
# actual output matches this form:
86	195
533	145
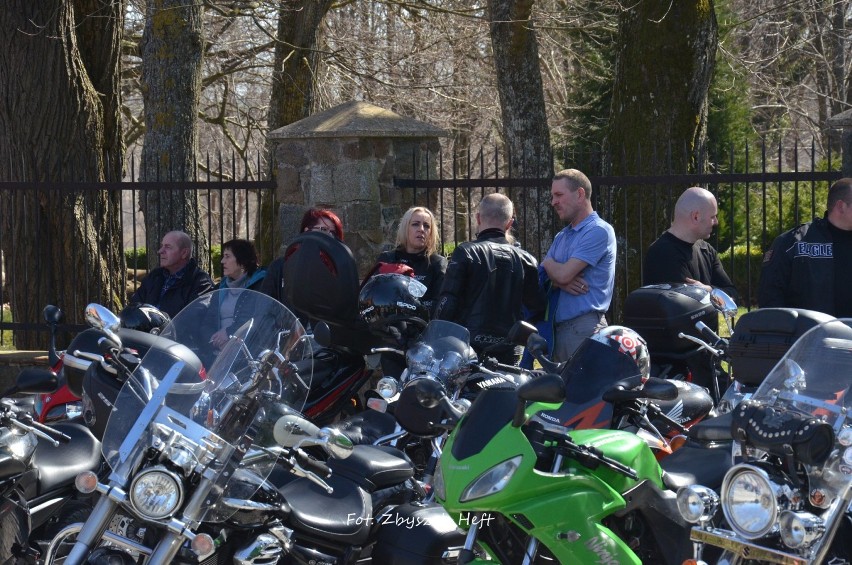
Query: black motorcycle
38	465
192	459
788	498
442	356
138	323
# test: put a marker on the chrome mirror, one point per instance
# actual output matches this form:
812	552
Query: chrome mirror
103	319
336	443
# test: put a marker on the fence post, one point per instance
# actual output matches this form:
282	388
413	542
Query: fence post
843	121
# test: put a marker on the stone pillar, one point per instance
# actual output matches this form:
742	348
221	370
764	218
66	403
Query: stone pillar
345	159
843	121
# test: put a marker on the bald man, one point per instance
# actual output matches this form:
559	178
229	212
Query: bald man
489	281
681	254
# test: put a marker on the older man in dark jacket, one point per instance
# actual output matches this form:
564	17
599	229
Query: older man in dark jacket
177	281
489	280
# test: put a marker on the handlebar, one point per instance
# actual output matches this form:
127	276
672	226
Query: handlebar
715	339
592	457
701	343
24	421
310	464
586	455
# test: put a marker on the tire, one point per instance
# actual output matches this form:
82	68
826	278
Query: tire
14	533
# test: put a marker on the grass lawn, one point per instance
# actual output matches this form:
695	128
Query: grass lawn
6	336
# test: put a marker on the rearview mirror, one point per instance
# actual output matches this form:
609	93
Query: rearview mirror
520	332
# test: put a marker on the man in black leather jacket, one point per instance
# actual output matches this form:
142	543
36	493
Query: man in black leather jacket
489	280
810	266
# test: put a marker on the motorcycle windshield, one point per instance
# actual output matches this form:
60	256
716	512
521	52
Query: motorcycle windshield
593	369
812	380
199	424
443	351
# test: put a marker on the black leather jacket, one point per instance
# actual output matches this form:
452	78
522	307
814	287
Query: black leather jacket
487	284
428	270
798	270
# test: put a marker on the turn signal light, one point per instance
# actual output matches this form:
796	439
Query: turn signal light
86	482
203	545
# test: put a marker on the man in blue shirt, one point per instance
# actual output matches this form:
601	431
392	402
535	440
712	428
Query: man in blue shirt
580	264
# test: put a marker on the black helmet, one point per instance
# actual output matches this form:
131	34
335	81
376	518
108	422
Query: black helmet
388	298
144	318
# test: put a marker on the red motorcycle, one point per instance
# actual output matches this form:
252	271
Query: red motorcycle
71	364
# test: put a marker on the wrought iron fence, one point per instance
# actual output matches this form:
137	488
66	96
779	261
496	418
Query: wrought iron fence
230	208
760	193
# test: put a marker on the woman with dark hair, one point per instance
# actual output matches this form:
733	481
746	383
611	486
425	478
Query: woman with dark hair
314	219
239	271
417	247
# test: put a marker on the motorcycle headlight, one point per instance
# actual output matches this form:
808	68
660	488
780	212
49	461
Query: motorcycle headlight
697	503
750	501
156	493
387	387
491	481
438	484
800	529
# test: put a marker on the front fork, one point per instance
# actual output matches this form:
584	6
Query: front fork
92	530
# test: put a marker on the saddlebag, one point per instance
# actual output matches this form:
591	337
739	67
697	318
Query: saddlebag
783	432
761	337
417	534
660	312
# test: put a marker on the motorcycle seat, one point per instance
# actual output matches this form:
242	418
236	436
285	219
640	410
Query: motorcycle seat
58	466
345	516
713	429
368	426
695	464
373	467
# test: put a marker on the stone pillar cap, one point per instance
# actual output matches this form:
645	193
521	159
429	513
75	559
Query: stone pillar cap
841	120
357	119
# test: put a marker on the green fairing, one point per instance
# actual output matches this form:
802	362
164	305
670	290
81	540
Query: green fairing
576	501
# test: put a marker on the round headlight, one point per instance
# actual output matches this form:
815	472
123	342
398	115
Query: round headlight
387	387
749	501
800	529
156	493
697	503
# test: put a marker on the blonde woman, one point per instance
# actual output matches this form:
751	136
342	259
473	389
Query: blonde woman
416	246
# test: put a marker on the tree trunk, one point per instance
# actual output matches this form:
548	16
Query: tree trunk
58	123
525	130
172	52
293	82
658	120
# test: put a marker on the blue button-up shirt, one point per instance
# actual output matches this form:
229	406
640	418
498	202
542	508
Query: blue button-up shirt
592	241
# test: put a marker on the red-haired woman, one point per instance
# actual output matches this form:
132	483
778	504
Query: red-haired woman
314	219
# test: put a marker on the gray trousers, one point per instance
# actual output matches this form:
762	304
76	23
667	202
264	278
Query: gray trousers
569	334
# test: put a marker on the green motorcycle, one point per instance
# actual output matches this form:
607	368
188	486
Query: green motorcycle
530	490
